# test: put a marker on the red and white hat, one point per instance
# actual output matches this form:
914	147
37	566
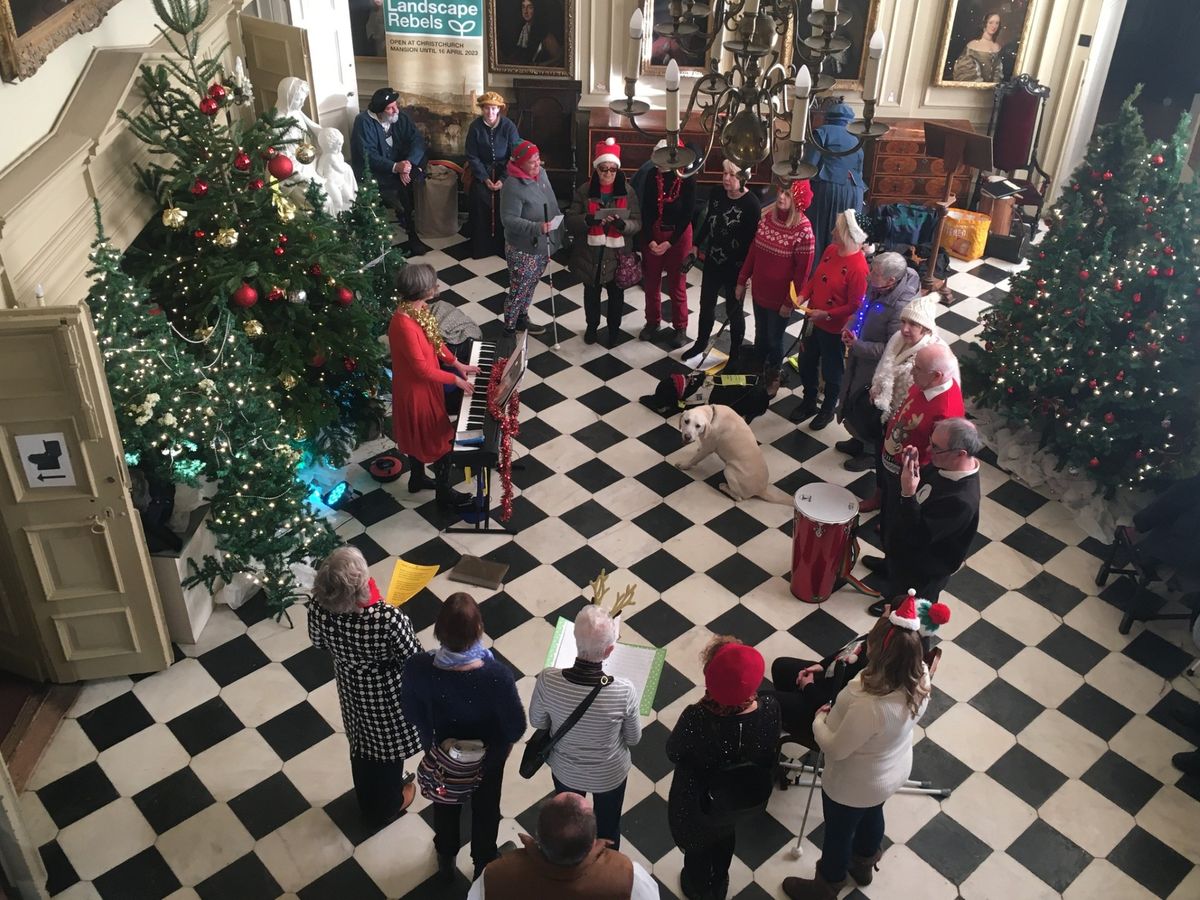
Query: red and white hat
919	615
607	151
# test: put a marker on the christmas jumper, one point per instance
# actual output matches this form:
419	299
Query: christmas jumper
728	230
779	259
837	287
912	424
420	425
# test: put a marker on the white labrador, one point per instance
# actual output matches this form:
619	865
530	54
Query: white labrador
720	430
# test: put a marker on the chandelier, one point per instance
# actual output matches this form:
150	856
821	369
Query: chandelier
748	107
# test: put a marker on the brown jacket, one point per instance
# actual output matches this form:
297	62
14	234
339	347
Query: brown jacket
604	874
584	257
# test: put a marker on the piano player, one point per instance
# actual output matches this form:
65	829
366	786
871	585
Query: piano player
423	369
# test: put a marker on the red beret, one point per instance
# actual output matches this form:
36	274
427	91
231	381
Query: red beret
734	673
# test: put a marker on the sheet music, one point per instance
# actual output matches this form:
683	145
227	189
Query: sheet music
639	664
710	360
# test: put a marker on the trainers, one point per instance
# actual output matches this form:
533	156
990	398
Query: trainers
523	324
861	463
824	417
851	447
649	332
674	339
806	410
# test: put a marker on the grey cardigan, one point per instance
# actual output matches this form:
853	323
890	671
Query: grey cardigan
524	205
882	321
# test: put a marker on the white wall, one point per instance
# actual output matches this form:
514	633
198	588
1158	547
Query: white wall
29	108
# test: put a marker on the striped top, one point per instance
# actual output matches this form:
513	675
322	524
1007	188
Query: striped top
594	755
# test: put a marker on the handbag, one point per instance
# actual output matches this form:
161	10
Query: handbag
862	417
736	789
629	269
450	771
538	747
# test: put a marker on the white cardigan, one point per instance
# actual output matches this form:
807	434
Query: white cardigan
893	373
867	742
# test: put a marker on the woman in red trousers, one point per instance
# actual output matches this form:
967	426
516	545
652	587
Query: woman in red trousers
422	369
668	201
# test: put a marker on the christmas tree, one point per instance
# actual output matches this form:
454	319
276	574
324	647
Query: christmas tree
1093	347
233	245
195	413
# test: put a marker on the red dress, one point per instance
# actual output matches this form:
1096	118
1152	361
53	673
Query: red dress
420	425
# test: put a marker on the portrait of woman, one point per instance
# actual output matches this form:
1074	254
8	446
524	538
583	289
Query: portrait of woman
982	42
530	36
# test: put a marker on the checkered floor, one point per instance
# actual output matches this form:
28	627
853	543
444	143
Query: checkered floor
227	775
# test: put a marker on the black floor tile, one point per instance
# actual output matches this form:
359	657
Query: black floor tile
736	526
1027	775
659	623
1180	714
665	479
738	575
519	561
1126	785
1096	711
1052	593
606	367
799	445
645	826
939	703
246	879
743	624
145	876
544	365
295	730
254	610
603	400
664	439
1018	498
672	685
954	323
1050	855
77	794
821	632
760	837
933	764
348	817
976	590
951	849
598	436
531	471
370	550
583	565
268	805
373	506
524	515
533	433
1034	543
501	614
661	522
539	398
175	799
452	275
119	718
1005	705
1150	862
60	874
1158	655
660	570
345	880
988	643
594	475
422	609
312	667
233	659
205	726
1073	649
650	753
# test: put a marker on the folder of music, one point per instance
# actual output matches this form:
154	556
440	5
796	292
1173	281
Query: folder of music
638	663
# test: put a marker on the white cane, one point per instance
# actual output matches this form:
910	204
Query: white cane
550	278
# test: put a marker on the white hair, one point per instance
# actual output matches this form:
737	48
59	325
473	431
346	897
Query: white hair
945	360
595	632
961	434
341	582
889	265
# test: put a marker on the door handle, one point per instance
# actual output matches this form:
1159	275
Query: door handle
98	524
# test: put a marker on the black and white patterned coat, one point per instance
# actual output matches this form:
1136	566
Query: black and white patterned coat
369	649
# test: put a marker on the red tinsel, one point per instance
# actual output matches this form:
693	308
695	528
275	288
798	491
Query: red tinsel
509	427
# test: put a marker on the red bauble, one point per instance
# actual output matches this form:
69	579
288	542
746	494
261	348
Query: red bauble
1041	283
1168	250
1109	418
245	296
1075	188
1152	271
315	270
280	167
283	239
1084	274
199	187
1121	375
317	360
1157	159
1041	254
209	106
199	234
1012	390
1149	210
1126	316
1093	384
1182	339
241	161
278	251
1090	352
1138	454
344	296
1137	298
276	294
349	363
216	90
1058	371
1094	463
1143	199
1170	272
270	153
256	185
1107	176
1018	301
1095	173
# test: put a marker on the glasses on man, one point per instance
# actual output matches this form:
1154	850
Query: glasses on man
934	449
607	170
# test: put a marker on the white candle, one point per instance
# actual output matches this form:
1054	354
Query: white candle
871	78
800	105
672	96
633	53
751	8
829	6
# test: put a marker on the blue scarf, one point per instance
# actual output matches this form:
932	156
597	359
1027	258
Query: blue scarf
450	659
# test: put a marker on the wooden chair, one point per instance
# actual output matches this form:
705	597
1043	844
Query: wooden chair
1016	127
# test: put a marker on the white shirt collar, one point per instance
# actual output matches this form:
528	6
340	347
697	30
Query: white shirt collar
382	125
932	392
959	475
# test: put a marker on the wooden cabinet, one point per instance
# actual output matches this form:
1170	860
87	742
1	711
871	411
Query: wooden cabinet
544	112
900	172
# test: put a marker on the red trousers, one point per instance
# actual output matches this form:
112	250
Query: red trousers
652	270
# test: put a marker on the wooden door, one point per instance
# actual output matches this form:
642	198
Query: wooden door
79	595
334	77
274	51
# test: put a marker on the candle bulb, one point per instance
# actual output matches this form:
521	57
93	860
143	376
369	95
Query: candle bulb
800	105
633	53
829	6
672	79
871	79
751	8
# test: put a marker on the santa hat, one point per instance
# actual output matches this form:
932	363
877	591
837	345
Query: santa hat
922	311
853	229
607	151
523	151
919	615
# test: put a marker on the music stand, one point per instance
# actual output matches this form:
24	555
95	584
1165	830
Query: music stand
955	147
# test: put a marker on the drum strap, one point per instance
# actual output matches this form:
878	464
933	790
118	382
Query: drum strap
852	554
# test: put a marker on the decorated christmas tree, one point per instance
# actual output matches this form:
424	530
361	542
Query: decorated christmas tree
238	243
197	413
1095	345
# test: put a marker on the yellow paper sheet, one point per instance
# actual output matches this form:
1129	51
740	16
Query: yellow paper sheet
407	580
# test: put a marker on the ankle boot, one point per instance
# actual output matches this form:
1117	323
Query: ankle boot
447	496
446	867
815	888
417	479
862	868
806	409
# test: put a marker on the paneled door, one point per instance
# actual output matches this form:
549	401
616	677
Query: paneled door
274	51
77	593
334	76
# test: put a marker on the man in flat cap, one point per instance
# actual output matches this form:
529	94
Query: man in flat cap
385	138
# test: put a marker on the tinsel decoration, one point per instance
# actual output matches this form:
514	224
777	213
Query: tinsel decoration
226	237
284	207
253	328
509	428
288	380
174	218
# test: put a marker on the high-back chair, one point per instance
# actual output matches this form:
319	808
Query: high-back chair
1016	128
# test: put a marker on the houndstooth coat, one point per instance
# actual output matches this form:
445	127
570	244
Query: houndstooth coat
369	649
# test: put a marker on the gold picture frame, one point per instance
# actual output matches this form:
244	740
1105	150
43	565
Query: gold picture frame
863	16
699	65
969	22
29	33
552	23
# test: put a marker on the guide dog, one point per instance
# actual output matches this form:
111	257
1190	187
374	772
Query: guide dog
718	429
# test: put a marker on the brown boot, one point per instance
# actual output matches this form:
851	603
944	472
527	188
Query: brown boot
862	868
815	888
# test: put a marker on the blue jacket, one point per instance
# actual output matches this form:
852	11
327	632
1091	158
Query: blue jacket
369	140
485	156
833	134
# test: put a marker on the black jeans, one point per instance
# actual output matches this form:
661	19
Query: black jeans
848	829
616	306
607	806
706	869
485	821
378	788
824	350
720	282
402	199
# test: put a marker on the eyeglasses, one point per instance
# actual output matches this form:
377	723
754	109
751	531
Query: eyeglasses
934	450
607	170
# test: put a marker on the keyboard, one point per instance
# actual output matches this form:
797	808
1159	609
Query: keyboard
473	414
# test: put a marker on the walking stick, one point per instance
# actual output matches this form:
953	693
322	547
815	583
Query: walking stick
553	309
493	198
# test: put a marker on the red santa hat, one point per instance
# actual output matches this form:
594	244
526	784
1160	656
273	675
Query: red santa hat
607	151
919	615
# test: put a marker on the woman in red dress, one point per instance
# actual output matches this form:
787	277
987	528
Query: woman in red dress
422	369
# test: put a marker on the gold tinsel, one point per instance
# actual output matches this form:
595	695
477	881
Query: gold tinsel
226	237
253	328
427	321
305	153
284	207
174	217
288	380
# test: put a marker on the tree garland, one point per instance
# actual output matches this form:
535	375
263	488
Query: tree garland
509	427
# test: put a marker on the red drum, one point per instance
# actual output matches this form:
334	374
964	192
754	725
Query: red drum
822	538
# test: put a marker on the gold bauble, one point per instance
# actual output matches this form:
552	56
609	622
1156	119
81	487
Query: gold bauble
226	237
253	328
174	217
203	333
300	433
305	153
288	380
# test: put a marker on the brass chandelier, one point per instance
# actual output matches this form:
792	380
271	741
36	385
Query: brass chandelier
748	106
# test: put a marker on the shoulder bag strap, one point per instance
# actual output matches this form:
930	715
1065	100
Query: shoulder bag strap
575	716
